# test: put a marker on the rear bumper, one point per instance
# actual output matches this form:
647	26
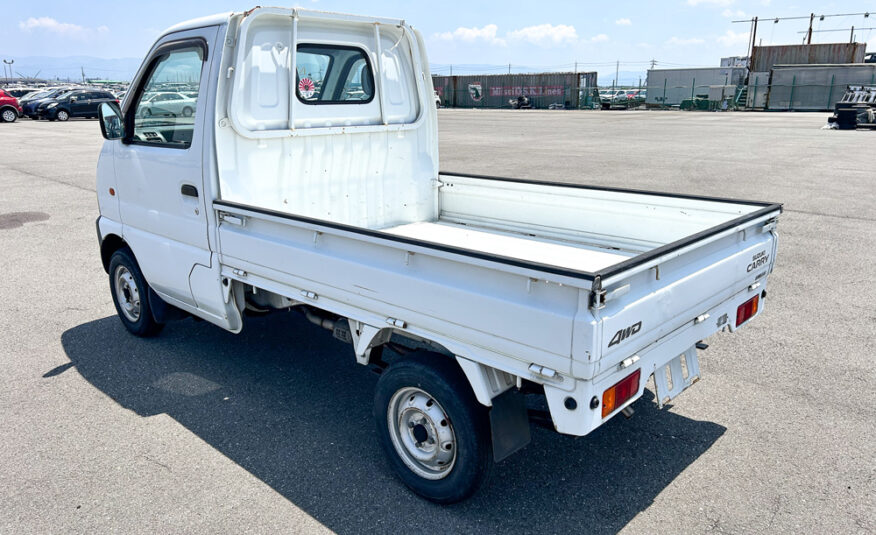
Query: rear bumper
587	413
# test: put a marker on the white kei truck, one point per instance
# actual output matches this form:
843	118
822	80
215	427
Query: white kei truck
307	179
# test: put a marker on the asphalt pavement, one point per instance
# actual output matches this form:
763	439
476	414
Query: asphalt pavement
202	431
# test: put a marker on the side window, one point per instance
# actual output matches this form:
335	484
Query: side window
158	119
330	74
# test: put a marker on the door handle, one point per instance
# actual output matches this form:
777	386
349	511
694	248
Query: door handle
188	190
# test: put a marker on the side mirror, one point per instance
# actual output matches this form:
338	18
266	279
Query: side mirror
74	99
111	124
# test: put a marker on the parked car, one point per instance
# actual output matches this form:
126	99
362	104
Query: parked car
75	103
167	104
31	103
463	292
10	109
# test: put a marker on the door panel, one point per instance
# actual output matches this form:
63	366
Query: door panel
159	169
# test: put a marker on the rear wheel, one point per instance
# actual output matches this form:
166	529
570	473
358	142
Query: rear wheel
187	112
432	428
8	116
131	294
62	115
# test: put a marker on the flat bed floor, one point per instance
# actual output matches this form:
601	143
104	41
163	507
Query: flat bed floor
531	249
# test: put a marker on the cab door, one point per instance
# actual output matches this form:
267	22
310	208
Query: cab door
159	167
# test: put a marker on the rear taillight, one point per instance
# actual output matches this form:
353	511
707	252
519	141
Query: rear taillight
620	393
746	310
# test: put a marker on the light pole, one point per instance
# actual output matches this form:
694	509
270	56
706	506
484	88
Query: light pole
8	62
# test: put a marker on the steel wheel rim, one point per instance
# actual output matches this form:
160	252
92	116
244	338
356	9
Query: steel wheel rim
8	116
421	433
62	115
127	293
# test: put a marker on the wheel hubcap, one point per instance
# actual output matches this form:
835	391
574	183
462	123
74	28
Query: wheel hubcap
62	115
421	433
8	116
127	293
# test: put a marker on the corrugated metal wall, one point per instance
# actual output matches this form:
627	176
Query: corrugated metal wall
765	57
758	88
668	87
572	90
815	87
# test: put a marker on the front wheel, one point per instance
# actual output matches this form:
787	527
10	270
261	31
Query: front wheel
130	295
62	115
432	428
9	116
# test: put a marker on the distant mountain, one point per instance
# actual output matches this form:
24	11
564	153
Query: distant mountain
71	67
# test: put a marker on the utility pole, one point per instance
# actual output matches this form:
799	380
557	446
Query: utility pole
753	41
509	68
576	66
653	63
82	69
852	35
617	73
809	35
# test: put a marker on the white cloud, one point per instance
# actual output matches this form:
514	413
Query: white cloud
545	34
731	13
601	38
732	38
684	42
66	29
711	2
470	35
623	22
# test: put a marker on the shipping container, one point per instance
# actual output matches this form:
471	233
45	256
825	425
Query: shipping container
565	89
815	87
668	87
766	57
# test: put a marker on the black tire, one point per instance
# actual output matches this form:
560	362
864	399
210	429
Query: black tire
187	112
141	323
442	381
62	115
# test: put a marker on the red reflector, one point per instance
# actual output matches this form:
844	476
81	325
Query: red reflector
620	393
746	310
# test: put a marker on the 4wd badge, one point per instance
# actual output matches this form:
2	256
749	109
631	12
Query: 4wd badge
623	334
476	91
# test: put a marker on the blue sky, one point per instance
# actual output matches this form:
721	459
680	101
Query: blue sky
542	33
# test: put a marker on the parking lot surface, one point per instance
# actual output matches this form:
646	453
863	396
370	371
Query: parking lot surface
202	431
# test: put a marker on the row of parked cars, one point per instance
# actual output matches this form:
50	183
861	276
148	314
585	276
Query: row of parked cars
621	98
57	104
64	103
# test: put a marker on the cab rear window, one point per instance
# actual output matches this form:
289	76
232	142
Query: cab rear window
333	74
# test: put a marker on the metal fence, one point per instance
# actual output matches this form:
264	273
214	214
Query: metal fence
785	88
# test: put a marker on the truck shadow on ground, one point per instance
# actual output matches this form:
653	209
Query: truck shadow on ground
287	402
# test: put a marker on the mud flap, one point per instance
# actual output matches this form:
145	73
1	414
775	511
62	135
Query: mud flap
675	368
509	424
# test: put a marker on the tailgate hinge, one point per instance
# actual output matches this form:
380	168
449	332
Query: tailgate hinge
600	297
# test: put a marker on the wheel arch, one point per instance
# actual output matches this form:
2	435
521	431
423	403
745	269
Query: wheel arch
109	245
